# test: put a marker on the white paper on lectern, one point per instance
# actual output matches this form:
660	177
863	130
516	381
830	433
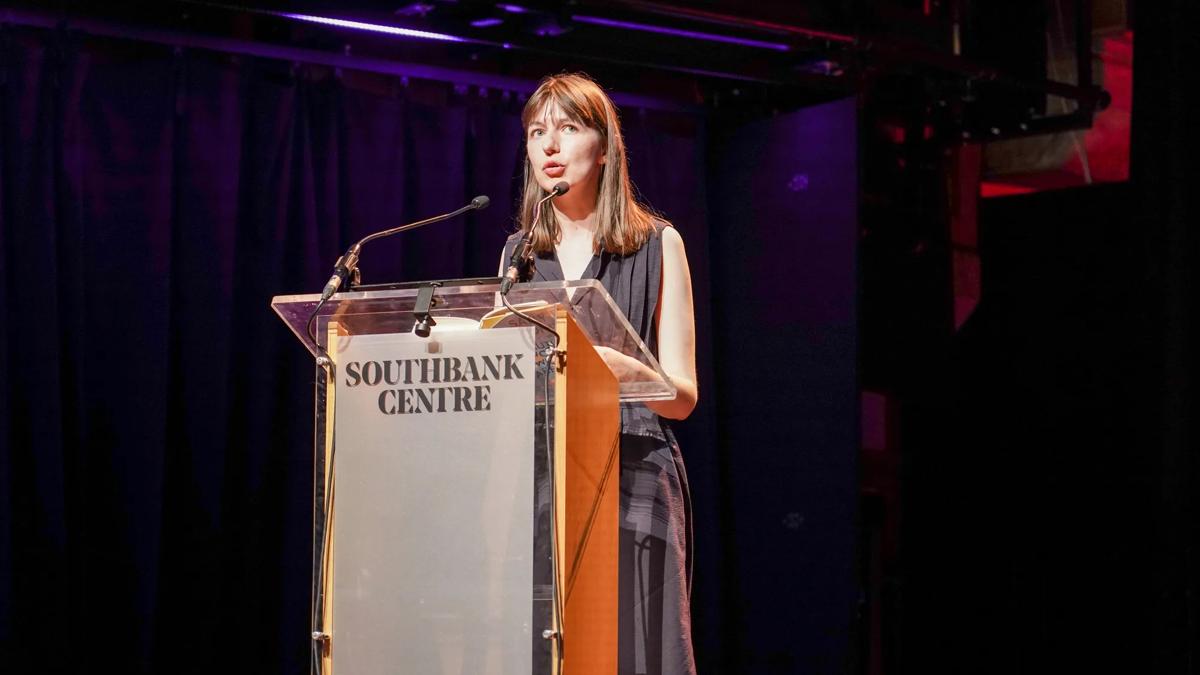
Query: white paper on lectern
433	510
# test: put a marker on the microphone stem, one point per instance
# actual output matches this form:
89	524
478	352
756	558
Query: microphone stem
348	263
537	209
524	248
410	226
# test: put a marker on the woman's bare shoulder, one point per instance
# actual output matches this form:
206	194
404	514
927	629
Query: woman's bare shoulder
671	237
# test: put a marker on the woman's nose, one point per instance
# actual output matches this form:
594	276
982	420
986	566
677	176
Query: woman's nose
550	144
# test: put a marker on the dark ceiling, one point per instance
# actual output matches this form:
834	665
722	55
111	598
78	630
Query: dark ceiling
983	62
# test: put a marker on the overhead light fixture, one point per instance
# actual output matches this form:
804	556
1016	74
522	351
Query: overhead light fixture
374	27
680	32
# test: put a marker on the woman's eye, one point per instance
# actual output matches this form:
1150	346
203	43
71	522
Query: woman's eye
534	133
570	128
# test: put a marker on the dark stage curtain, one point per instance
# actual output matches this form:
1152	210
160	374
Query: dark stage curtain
155	428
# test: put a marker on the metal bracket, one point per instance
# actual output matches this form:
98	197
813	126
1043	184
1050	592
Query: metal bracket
323	640
425	302
557	357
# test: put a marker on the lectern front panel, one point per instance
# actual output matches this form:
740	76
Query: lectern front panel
433	503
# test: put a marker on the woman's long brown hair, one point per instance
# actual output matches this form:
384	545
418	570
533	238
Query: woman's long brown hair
623	224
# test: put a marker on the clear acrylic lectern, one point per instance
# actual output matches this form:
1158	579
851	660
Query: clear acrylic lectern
452	471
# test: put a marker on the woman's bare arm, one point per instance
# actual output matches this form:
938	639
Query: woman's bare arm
676	329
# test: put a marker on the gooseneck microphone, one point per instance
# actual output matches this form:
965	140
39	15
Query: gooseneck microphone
523	251
348	263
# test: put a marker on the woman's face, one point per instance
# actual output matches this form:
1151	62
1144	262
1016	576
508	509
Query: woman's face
560	148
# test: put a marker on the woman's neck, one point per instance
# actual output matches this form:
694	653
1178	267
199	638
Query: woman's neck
576	220
576	210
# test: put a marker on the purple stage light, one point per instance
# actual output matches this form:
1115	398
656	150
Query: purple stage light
374	28
513	9
484	23
679	32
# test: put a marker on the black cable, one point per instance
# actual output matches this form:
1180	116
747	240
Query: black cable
530	319
312	334
548	365
317	635
318	632
549	355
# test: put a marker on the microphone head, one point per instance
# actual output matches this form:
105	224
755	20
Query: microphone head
561	187
480	202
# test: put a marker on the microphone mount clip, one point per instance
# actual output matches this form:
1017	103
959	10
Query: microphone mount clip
421	310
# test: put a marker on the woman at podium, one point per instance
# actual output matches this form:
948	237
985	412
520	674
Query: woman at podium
598	230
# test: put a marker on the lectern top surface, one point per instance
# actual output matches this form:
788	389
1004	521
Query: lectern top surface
465	304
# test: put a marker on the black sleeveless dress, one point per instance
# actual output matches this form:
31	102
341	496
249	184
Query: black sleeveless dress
654	619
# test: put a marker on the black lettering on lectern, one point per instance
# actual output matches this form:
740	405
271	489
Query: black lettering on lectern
510	366
435	400
464	373
352	376
387	404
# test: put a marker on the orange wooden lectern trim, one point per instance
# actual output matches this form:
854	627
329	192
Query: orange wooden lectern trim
587	464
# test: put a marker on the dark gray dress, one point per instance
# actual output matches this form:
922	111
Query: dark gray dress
654	619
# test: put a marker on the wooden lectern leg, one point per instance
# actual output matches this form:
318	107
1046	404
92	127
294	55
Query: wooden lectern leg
326	504
587	474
